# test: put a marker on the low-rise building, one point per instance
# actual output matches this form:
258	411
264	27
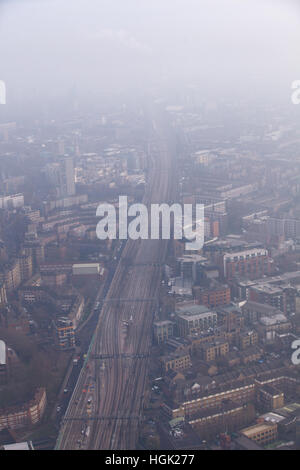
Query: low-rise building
18	446
64	333
29	413
163	330
269	397
229	416
268	326
211	351
241	391
213	296
247	338
176	361
87	269
253	311
194	318
251	354
13	201
15	272
261	433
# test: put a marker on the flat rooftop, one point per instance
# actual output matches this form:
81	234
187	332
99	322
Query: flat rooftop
191	310
86	265
256	428
19	446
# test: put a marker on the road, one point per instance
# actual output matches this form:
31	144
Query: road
107	402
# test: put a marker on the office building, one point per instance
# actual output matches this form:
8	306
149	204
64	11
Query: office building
192	319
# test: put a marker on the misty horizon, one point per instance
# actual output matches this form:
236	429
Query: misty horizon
221	49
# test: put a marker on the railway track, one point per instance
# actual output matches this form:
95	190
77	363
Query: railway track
117	361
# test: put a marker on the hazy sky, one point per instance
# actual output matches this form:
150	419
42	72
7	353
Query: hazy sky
50	46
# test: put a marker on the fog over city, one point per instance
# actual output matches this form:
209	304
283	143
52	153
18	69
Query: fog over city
52	48
149	227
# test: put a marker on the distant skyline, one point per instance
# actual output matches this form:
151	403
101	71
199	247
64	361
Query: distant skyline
224	47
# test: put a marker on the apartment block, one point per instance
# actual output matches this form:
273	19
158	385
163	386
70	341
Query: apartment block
193	319
211	351
251	264
177	362
64	333
24	415
213	296
163	330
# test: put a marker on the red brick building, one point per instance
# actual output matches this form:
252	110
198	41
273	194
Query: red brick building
250	264
213	296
